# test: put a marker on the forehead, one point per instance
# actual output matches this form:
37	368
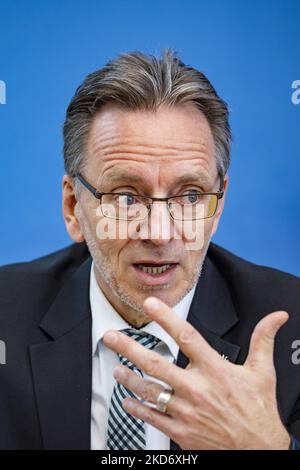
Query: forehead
163	142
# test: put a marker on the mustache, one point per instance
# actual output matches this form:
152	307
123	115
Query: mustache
157	255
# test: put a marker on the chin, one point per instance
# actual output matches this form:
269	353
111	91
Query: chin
169	296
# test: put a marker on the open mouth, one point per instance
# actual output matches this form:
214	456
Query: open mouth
154	268
152	273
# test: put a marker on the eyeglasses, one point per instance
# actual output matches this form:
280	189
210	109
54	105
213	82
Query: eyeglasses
192	205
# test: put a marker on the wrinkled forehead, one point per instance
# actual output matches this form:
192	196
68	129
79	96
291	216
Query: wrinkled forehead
151	145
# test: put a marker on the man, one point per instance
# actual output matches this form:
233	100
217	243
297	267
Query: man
146	148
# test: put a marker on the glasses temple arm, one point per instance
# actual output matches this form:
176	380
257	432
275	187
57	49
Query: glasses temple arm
87	185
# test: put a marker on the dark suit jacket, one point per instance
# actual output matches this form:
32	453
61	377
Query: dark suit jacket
45	321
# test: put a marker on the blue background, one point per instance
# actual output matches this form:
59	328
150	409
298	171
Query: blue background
249	51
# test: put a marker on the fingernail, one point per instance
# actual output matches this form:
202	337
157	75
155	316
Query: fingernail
128	404
111	337
152	303
117	373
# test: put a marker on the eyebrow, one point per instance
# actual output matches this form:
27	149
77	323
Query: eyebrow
192	178
130	178
123	177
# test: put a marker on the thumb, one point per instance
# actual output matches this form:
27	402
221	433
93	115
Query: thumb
262	340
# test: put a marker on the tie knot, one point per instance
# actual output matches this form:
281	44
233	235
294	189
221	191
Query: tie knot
143	338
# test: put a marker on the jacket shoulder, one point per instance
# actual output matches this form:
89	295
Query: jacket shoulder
57	265
28	289
232	264
257	290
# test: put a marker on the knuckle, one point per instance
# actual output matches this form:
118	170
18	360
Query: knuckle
150	418
177	435
188	415
188	334
147	392
197	396
253	362
153	365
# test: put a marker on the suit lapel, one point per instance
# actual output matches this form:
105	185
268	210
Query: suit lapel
213	314
62	367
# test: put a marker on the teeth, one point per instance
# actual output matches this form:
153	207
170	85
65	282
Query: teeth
154	270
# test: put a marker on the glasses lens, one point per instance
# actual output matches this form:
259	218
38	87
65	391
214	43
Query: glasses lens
124	207
193	206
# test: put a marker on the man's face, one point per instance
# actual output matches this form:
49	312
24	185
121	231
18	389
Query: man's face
159	154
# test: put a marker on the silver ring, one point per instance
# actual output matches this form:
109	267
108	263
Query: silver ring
163	399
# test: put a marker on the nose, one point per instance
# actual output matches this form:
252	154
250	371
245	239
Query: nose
160	224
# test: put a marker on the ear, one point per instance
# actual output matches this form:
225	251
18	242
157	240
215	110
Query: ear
220	208
69	202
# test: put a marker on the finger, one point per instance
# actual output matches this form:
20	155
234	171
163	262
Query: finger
147	390
262	340
149	362
189	340
165	423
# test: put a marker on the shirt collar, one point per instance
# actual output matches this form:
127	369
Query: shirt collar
105	317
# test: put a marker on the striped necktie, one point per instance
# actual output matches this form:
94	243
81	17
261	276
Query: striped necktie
124	431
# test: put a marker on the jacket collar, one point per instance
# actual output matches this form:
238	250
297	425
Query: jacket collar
72	304
62	368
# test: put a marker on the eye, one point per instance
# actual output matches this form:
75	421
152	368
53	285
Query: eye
126	200
191	196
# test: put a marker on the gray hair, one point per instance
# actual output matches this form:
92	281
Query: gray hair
138	81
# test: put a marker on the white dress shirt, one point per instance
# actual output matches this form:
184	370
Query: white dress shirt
104	318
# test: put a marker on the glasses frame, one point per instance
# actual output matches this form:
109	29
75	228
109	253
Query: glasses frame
98	195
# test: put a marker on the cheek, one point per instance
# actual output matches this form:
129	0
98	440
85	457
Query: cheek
208	228
196	233
105	231
192	260
104	238
193	257
113	250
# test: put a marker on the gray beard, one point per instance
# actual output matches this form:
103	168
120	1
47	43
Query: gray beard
104	268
